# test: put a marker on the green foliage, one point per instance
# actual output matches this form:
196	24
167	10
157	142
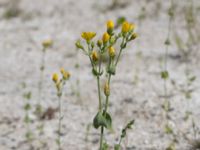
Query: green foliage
168	129
164	75
102	119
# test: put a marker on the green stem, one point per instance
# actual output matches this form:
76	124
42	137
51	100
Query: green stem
107	97
59	123
118	56
42	67
99	93
101	137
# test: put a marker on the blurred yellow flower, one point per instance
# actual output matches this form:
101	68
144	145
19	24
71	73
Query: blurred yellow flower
126	27
105	37
88	35
55	77
110	24
111	52
47	43
94	56
65	74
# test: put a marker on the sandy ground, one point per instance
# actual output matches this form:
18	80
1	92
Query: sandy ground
137	88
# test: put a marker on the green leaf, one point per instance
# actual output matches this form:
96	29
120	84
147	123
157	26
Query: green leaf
168	129
105	146
164	74
111	70
27	119
123	133
192	79
130	124
120	20
99	120
27	95
102	120
29	135
108	121
27	107
167	42
117	147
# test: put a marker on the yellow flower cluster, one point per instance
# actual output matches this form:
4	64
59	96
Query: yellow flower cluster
65	74
58	82
88	35
126	27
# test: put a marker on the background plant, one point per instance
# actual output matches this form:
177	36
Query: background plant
27	120
165	77
59	84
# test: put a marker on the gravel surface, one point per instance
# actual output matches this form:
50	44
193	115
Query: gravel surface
137	88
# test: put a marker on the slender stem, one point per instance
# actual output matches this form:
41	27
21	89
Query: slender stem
119	52
100	102
166	62
107	97
101	137
42	67
99	93
59	122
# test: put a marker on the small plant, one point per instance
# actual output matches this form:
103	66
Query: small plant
27	120
45	44
123	134
59	84
165	76
95	51
12	10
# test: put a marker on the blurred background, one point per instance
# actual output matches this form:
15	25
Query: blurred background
137	88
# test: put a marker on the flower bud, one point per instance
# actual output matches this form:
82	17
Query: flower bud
111	52
106	89
112	40
55	77
65	74
47	43
110	27
99	43
105	37
126	27
110	24
94	56
92	45
78	45
133	36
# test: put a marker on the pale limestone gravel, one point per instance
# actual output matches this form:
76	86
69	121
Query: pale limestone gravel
63	21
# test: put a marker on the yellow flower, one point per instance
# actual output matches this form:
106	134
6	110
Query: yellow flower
88	35
55	77
65	74
94	56
105	37
111	52
106	89
110	24
47	43
126	27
